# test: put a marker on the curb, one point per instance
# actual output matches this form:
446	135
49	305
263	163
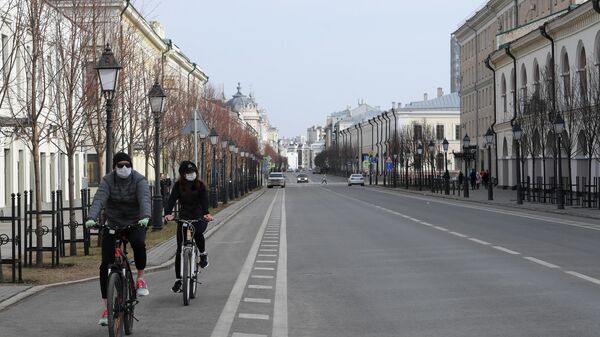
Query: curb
36	289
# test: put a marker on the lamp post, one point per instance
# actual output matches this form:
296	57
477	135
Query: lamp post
242	189
108	73
214	139
446	173
157	103
489	140
431	148
559	126
466	150
395	184
231	146
420	153
236	186
225	188
517	133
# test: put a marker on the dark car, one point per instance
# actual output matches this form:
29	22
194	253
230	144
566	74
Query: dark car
301	178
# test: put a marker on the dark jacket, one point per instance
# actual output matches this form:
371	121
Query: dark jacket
193	202
125	200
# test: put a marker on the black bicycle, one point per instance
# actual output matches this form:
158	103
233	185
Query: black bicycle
121	293
190	260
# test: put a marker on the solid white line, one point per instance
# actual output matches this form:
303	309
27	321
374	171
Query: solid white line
253	316
280	310
584	277
264	268
256	286
458	234
262	276
479	241
257	300
543	263
440	228
506	250
231	306
239	334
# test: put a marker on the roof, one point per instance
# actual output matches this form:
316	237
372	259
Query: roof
239	100
446	102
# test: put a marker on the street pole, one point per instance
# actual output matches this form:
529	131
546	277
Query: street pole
446	174
560	192
490	184
213	186
519	196
157	98
109	134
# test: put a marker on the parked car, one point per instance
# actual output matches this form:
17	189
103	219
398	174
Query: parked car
356	179
301	178
276	179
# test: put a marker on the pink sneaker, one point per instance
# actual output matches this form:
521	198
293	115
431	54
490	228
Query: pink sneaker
104	318
142	287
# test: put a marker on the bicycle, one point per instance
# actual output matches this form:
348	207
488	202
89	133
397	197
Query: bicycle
121	293
190	260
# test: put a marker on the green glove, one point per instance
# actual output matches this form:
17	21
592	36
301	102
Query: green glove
90	223
144	222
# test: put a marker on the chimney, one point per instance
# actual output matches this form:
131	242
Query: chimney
394	105
440	92
425	96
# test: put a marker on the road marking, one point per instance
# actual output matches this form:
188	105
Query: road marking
480	241
257	300
239	334
257	286
584	277
262	276
541	262
253	316
265	261
269	245
227	316
268	255
270	241
438	228
280	310
458	234
267	250
506	250
264	268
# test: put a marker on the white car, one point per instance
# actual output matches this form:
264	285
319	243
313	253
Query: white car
356	179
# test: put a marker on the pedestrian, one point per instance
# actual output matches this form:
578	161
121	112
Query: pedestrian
125	196
485	178
461	178
192	195
324	180
473	177
477	179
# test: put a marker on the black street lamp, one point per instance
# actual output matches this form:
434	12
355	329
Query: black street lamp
517	133
242	180
231	146
489	140
559	126
431	148
108	72
466	153
157	104
225	186
236	185
446	173
214	139
420	153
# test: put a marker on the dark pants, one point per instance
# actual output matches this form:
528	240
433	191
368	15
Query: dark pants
136	238
199	229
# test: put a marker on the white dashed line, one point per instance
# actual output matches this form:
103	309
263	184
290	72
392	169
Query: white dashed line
265	261
267	250
506	250
583	277
257	300
264	268
269	245
262	276
253	316
239	334
257	286
479	241
541	262
270	241
267	255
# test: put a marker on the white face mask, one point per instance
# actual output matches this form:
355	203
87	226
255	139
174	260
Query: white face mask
190	176
123	172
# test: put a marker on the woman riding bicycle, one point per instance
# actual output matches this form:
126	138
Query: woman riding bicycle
193	202
125	196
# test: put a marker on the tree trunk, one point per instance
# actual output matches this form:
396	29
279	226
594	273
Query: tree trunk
73	230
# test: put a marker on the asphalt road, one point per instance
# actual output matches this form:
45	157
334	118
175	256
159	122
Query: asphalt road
332	260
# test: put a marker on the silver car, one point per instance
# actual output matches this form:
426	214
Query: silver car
356	179
276	179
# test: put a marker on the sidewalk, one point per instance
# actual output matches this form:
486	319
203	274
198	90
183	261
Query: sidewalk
159	257
504	198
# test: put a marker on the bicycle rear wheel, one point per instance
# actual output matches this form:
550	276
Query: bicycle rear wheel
130	300
187	276
115	303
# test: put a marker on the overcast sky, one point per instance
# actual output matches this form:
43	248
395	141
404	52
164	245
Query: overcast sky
304	59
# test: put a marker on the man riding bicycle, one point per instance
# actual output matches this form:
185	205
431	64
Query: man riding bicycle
125	196
193	203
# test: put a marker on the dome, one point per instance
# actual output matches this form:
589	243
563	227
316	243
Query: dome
240	102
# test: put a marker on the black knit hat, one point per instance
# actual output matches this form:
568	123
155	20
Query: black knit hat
187	167
121	156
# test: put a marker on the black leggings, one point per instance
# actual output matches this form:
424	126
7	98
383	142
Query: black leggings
200	227
136	237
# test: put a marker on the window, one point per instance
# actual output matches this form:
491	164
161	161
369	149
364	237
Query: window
418	132
93	170
439	132
457	132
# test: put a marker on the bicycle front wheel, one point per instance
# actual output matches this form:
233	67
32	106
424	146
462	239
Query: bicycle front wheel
130	300
115	303
187	276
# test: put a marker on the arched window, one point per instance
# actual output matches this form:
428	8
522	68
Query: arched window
582	70
566	75
523	88
512	86
581	144
536	78
503	92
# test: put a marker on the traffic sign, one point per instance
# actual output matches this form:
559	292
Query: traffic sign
388	166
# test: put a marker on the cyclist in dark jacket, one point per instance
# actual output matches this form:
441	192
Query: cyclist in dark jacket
125	196
193	203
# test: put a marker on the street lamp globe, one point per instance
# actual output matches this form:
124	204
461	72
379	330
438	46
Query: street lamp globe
157	99
517	131
559	124
420	149
466	141
224	144
108	72
489	137
214	136
445	145
431	146
231	145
